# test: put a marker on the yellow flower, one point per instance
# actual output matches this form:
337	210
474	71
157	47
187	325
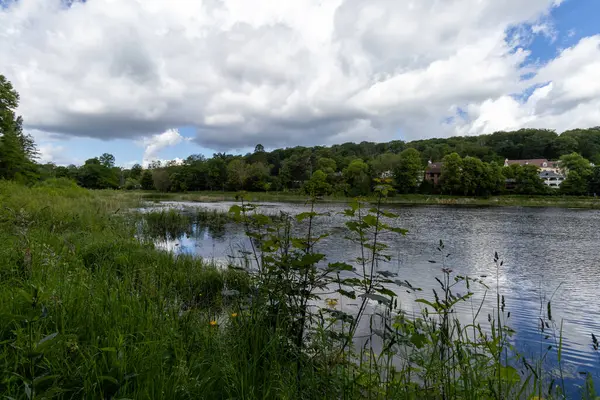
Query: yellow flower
213	323
331	302
233	315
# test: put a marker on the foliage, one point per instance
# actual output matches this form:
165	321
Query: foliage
91	309
317	185
357	176
528	180
408	172
162	181
594	181
17	150
95	174
450	178
146	181
237	174
578	171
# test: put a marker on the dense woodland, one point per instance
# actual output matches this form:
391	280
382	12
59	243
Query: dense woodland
473	165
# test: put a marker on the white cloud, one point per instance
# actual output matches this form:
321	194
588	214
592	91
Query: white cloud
277	73
155	143
568	96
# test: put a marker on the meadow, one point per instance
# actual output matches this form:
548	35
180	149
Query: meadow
89	308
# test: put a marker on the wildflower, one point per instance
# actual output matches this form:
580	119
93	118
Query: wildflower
233	315
331	303
213	323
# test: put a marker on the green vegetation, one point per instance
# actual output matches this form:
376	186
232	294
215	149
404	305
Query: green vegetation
90	311
471	165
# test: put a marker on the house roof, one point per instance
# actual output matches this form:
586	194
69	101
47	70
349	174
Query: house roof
538	162
434	168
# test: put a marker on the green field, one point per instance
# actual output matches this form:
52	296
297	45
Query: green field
90	309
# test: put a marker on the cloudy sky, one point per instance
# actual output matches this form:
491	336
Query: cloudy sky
160	79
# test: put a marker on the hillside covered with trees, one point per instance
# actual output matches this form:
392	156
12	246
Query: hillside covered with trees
473	165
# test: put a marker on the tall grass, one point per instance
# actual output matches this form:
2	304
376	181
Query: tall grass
90	309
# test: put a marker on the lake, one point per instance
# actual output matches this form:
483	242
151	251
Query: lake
548	253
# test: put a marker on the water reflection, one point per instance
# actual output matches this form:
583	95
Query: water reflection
547	253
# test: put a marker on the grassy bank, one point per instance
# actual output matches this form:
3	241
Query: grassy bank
408	199
90	309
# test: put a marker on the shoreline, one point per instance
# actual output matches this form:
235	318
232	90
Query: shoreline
590	203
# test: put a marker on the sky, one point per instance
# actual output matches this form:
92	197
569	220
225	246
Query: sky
163	79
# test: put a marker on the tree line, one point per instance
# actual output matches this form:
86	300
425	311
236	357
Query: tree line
472	165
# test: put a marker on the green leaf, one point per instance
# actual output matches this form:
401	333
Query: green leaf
371	220
349	213
235	210
386	291
376	297
302	216
389	214
340	266
41	379
346	293
351	282
430	304
311	258
299	243
340	315
418	339
45	342
109	379
401	231
509	374
109	349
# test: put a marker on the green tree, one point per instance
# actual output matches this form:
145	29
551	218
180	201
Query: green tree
94	175
472	173
108	160
384	164
136	171
594	181
492	180
258	176
575	184
317	185
575	162
408	171
529	182
327	165
578	171
17	150
451	176
295	170
146	180
357	176
237	174
131	184
161	179
216	171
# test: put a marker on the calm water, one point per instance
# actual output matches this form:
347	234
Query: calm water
547	253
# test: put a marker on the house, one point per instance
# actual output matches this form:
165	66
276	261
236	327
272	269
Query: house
542	163
552	179
387	174
433	172
550	172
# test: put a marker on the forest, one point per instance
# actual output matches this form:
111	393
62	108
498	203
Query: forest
473	165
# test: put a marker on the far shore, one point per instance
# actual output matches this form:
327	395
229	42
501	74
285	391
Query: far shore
509	200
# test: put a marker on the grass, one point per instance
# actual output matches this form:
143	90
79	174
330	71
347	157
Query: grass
90	309
509	200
